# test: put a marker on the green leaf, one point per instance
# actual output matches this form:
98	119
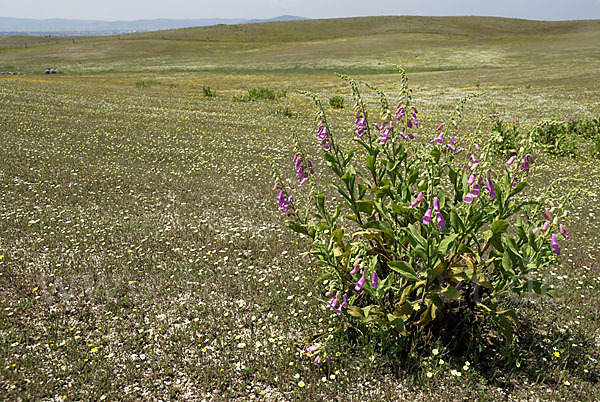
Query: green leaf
451	293
332	163
415	237
365	206
362	189
507	263
370	163
499	227
446	243
456	222
405	270
536	287
296	227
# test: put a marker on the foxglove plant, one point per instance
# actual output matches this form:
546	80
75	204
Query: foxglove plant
423	276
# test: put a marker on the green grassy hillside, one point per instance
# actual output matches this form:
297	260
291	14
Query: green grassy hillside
366	45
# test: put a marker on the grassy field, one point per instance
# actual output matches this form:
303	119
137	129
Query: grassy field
142	255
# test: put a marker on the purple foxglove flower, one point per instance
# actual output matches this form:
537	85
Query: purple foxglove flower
417	200
384	136
490	188
452	141
345	301
440	127
427	217
438	140
361	281
440	221
317	361
515	182
547	214
477	147
403	135
475	192
471	179
409	123
284	204
468	198
563	231
525	166
436	204
555	246
545	226
329	293
332	303
329	359
510	161
309	349
473	158
355	269
309	165
535	230
380	127
374	280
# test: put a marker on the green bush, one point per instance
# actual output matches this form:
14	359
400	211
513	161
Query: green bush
427	240
505	137
206	91
336	102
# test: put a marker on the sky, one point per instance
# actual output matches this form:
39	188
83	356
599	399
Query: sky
113	10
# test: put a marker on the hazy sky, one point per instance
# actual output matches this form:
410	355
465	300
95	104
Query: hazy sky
142	9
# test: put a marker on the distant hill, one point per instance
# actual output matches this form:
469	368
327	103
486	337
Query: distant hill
59	26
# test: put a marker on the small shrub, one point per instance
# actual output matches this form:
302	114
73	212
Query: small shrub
206	91
265	93
554	138
285	112
146	84
336	102
505	137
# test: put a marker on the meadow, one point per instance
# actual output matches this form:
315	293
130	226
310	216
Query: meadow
142	254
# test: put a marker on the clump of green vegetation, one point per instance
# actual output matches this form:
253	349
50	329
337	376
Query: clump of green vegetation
554	137
285	112
260	93
147	84
336	102
505	137
206	91
422	246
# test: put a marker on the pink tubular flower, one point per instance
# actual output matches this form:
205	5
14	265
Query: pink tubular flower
427	217
471	179
361	281
440	221
417	200
511	160
563	231
310	349
284	203
355	269
384	136
374	280
555	246
342	305
547	214
438	140
490	188
545	226
436	204
440	127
